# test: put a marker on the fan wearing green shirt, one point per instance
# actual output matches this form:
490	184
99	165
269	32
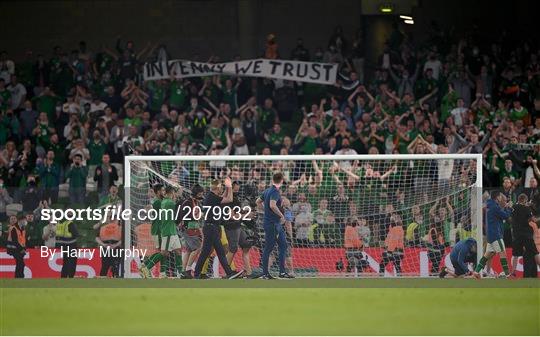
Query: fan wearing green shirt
267	115
97	147
157	95
46	102
229	92
177	94
507	171
518	112
274	138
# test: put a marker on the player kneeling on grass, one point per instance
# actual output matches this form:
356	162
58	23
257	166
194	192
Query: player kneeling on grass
464	252
394	245
498	210
170	242
190	232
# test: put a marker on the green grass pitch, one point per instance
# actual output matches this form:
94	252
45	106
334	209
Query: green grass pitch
260	307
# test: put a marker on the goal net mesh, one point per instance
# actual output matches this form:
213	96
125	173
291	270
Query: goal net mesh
361	217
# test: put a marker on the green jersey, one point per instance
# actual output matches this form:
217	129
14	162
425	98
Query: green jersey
168	224
177	95
156	204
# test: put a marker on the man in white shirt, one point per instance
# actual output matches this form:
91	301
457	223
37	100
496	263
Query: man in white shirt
18	93
434	64
345	150
7	67
459	112
97	105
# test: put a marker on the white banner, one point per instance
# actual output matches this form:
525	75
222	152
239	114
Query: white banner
313	72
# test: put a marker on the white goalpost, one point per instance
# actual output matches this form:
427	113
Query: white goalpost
349	215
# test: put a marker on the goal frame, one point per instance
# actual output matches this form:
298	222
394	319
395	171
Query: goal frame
363	157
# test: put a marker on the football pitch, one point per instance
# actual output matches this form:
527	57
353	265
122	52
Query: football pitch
270	307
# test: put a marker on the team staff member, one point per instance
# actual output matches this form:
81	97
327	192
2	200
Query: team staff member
66	238
498	210
16	245
109	237
273	221
522	232
212	227
464	252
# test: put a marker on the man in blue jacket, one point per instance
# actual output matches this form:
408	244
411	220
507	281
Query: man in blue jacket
498	210
463	253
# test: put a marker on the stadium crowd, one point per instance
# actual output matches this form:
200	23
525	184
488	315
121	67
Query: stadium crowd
68	119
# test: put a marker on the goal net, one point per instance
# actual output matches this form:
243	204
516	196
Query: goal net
384	215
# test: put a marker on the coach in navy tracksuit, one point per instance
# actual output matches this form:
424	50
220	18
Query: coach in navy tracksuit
273	227
498	210
463	252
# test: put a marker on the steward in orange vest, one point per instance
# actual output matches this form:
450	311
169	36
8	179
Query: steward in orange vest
354	247
109	239
394	245
16	244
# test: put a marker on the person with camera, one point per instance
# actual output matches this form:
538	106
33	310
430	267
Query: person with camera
77	174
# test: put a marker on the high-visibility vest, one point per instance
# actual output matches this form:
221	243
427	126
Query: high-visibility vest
62	230
352	238
413	226
21	236
394	239
110	232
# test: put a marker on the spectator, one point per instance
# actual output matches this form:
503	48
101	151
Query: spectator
77	174
105	175
49	177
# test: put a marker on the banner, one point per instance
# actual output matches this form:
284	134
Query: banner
313	72
88	266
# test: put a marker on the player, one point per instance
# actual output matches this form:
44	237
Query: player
170	242
498	210
212	227
145	267
273	220
191	233
464	252
522	232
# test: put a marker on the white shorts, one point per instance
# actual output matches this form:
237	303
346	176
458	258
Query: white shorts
170	243
157	241
496	246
